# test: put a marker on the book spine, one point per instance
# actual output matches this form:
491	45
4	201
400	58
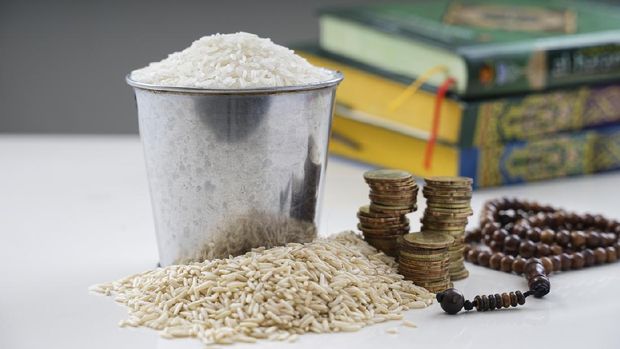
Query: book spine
502	70
536	115
563	155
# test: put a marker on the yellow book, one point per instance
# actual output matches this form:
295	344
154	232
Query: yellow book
471	123
371	93
369	139
365	138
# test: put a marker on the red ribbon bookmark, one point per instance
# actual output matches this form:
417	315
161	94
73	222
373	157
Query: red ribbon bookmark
430	146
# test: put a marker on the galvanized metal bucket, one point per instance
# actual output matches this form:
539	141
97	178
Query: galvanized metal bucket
231	170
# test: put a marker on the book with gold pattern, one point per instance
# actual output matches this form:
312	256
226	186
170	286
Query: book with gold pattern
490	47
365	138
470	123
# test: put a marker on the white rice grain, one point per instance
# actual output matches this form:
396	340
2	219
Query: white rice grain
232	61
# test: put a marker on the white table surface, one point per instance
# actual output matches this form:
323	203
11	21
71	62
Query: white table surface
75	211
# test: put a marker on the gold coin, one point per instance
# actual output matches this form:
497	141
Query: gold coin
445	219
427	240
459	275
408	259
387	175
386	236
434	284
419	266
448	181
435	229
393	210
405	187
436	273
392	202
448	205
384	227
367	212
436	223
384	218
421	251
448	213
447	191
398	195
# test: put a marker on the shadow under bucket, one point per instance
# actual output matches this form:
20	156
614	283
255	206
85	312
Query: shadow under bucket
231	170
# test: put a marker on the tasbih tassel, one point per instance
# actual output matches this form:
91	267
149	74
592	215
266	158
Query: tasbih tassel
533	240
452	301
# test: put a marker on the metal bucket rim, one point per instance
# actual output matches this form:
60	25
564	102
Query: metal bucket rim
335	80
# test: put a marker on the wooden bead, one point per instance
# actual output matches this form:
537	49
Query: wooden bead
540	285
593	239
483	258
527	249
520	297
485	303
578	260
519	229
546	262
472	256
519	264
567	261
533	266
490	228
466	250
512	242
506	300
513	299
608	239
562	238
588	256
451	300
506	263
487	239
612	255
542	250
491	302
478	303
556	249
533	235
557	263
547	236
498	301
496	246
578	239
473	236
535	231
600	255
500	235
495	260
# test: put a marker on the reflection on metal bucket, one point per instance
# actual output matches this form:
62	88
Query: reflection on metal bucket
242	234
233	170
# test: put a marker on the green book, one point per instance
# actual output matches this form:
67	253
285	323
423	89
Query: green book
489	47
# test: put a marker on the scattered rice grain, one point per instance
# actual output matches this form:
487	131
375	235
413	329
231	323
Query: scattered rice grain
409	324
341	284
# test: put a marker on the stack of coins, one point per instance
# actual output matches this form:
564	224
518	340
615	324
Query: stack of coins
393	194
447	208
424	259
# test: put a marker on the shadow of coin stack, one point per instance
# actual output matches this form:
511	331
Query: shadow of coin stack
393	194
425	260
447	208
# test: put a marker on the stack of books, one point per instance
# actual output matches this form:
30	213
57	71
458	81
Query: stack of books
535	93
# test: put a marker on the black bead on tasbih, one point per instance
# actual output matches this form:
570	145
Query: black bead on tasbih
534	240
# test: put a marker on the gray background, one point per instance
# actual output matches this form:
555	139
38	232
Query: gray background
62	63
